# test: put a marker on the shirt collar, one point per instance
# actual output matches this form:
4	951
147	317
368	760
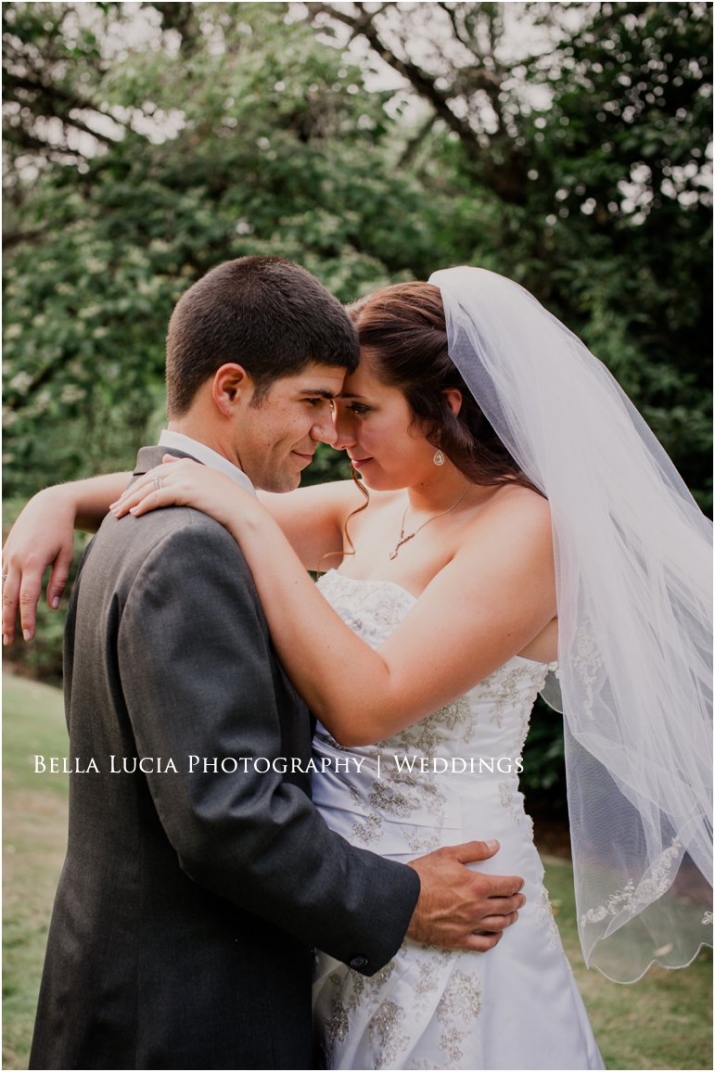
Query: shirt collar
207	455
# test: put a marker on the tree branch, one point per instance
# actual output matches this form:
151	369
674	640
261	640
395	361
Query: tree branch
506	179
56	100
419	79
414	143
45	376
10	239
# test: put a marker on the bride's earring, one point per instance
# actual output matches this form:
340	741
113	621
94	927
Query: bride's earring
438	456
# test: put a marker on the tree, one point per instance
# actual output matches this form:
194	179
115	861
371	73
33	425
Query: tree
275	147
565	145
582	150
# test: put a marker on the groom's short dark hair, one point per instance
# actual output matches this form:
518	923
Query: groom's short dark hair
264	313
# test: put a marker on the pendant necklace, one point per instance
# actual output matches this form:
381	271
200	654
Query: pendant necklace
411	535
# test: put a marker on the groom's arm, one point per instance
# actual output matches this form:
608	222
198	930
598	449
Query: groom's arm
196	668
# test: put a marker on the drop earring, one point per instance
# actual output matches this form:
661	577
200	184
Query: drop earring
438	456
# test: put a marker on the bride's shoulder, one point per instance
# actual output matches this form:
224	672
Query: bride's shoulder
512	511
516	497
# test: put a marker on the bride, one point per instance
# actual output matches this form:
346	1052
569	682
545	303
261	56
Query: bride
523	532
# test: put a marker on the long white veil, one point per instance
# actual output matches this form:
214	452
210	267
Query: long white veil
634	594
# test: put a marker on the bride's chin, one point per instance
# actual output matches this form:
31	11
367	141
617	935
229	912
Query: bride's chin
384	485
374	477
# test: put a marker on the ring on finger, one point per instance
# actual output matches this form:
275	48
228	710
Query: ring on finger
158	483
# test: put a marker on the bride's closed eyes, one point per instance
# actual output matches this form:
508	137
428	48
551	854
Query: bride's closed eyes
358	408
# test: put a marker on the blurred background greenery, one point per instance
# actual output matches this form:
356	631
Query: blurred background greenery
565	145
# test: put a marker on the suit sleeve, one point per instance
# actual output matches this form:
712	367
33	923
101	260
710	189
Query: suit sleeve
196	669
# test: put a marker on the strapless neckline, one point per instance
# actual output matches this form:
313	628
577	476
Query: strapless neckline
379	583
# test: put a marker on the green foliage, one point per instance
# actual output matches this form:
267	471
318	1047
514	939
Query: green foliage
146	144
623	179
275	151
543	777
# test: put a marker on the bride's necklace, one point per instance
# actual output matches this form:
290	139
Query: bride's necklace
406	537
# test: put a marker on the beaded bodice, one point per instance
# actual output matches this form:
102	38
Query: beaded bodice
491	719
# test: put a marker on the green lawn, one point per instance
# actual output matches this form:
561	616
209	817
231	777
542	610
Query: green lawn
664	1021
34	839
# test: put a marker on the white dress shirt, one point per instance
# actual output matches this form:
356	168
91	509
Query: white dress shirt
207	455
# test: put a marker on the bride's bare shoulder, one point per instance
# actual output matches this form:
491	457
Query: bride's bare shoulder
515	498
513	510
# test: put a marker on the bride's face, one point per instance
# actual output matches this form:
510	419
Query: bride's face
374	424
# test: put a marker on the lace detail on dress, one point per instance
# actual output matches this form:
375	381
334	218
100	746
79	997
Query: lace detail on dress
440	782
545	914
511	799
370	608
385	1035
459	1005
425	736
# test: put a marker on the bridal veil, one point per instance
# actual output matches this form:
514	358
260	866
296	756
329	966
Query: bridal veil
633	566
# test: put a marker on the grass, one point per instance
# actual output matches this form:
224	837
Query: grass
34	840
662	1022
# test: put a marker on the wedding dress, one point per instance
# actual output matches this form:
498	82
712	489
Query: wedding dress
449	778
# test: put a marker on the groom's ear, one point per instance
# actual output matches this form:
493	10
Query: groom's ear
231	385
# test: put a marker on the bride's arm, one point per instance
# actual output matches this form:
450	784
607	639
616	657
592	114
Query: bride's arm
313	519
42	536
485	606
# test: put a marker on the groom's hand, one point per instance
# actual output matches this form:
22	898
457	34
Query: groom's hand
459	908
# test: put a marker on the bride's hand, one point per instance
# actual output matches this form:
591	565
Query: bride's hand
183	482
42	536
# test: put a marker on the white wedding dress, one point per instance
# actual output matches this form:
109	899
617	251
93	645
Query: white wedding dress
515	1007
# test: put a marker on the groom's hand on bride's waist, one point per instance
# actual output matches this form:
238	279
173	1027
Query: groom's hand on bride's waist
459	908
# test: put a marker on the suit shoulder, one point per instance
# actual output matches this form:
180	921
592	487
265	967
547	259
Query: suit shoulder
189	532
175	540
173	523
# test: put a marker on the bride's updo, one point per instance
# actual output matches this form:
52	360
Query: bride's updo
402	331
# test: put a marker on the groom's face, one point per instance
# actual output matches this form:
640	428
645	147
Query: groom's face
276	436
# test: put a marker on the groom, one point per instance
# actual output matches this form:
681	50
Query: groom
195	884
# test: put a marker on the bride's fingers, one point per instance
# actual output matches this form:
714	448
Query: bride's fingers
155	500
134	495
146	485
147	493
147	497
167	465
10	603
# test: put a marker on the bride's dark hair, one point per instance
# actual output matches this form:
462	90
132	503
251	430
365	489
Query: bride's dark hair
402	328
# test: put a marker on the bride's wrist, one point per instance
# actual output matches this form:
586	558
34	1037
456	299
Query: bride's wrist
54	500
250	519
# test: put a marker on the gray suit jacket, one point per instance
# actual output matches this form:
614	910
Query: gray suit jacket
190	900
